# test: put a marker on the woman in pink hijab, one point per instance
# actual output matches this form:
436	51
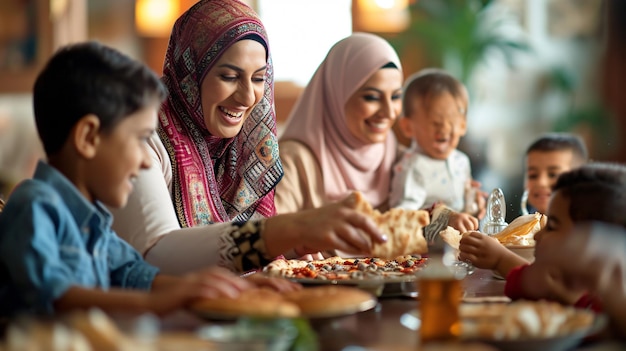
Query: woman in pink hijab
338	138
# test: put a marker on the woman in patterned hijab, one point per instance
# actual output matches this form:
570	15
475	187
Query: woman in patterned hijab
218	177
208	197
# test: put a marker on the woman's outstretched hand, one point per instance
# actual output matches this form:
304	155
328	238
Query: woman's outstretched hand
335	226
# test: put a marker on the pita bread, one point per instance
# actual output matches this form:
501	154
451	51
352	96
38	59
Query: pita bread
523	319
402	227
331	300
253	302
322	301
452	237
522	229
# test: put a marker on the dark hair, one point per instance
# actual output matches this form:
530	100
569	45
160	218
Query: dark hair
90	78
561	142
258	39
597	192
616	10
429	83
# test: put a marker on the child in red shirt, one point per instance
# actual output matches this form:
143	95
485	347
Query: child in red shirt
546	158
594	192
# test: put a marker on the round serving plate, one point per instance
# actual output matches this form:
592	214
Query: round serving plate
411	320
348	310
388	286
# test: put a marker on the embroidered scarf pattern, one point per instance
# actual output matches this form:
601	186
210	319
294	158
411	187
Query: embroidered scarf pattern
216	179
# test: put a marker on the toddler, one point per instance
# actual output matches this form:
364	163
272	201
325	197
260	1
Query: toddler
433	170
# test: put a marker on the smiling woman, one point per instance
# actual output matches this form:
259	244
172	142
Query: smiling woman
208	197
220	90
338	137
233	87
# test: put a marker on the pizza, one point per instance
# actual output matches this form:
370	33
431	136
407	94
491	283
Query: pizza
320	301
338	268
404	229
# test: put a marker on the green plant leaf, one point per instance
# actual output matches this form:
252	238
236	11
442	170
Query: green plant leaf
306	339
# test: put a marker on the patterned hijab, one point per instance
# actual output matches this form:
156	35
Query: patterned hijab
318	120
216	179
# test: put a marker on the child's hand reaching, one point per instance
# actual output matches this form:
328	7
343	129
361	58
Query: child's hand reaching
481	250
463	222
167	294
486	252
278	284
170	293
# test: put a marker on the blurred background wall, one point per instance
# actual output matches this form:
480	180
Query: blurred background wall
529	64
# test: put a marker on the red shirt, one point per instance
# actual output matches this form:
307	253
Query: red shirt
513	289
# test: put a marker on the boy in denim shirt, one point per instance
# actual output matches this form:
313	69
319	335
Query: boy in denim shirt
95	109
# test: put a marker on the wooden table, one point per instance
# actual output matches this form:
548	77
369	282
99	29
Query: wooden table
381	329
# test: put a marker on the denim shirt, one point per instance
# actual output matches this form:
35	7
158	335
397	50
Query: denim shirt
52	238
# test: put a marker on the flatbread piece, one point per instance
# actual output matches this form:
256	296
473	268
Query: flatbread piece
322	301
402	227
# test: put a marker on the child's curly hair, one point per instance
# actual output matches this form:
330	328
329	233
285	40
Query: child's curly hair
597	192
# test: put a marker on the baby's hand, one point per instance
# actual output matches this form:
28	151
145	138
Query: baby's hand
463	222
481	250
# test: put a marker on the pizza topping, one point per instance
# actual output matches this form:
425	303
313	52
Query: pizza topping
356	275
335	268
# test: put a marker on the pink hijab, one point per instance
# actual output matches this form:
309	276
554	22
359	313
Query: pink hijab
216	179
318	120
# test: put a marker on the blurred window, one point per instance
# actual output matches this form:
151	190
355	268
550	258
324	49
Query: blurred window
301	32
